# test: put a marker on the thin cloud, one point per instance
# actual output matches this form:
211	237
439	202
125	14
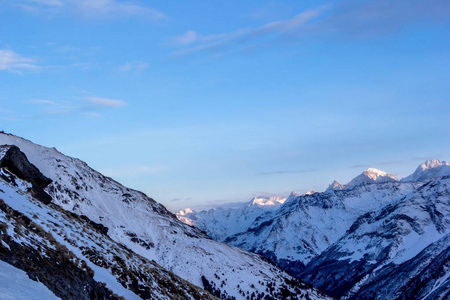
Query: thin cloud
136	66
105	102
92	9
132	171
180	199
375	18
188	38
89	106
9	115
388	163
200	42
111	8
41	101
56	3
12	62
347	19
287	172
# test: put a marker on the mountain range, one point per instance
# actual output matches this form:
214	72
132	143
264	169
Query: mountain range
69	232
376	237
85	236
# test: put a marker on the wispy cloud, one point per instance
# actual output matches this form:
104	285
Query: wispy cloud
135	66
48	107
181	199
375	18
89	106
92	8
132	171
388	163
194	42
347	19
105	102
13	62
281	172
41	101
188	38
111	8
9	115
56	3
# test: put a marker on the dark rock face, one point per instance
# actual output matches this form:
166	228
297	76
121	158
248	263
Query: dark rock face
100	227
16	162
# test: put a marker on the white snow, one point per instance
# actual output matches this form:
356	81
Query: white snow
6	245
127	213
429	169
369	176
220	223
18	200
16	285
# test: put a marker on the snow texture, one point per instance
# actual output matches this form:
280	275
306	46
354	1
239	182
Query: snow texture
16	285
148	228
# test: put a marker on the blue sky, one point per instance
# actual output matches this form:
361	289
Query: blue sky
199	103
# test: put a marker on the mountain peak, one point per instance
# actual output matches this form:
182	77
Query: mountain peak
369	176
433	163
429	169
372	173
335	186
267	201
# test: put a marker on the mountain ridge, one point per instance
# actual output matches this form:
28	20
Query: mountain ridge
331	239
148	229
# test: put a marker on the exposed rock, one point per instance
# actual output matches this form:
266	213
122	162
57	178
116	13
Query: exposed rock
17	163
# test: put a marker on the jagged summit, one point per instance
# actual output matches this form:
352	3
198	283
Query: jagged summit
429	169
267	201
369	176
335	186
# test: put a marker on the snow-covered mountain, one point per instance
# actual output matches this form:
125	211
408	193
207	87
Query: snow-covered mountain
220	223
304	227
387	249
369	176
70	256
429	169
131	219
354	239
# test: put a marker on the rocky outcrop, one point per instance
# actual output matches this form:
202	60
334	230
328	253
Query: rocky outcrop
16	162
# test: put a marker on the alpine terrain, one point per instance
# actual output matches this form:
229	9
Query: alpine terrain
376	237
81	235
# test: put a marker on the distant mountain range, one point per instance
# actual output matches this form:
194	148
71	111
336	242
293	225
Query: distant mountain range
376	237
85	236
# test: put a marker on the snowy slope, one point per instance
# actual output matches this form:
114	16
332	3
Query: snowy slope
308	224
429	169
370	176
220	223
354	240
16	285
147	228
383	239
72	255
